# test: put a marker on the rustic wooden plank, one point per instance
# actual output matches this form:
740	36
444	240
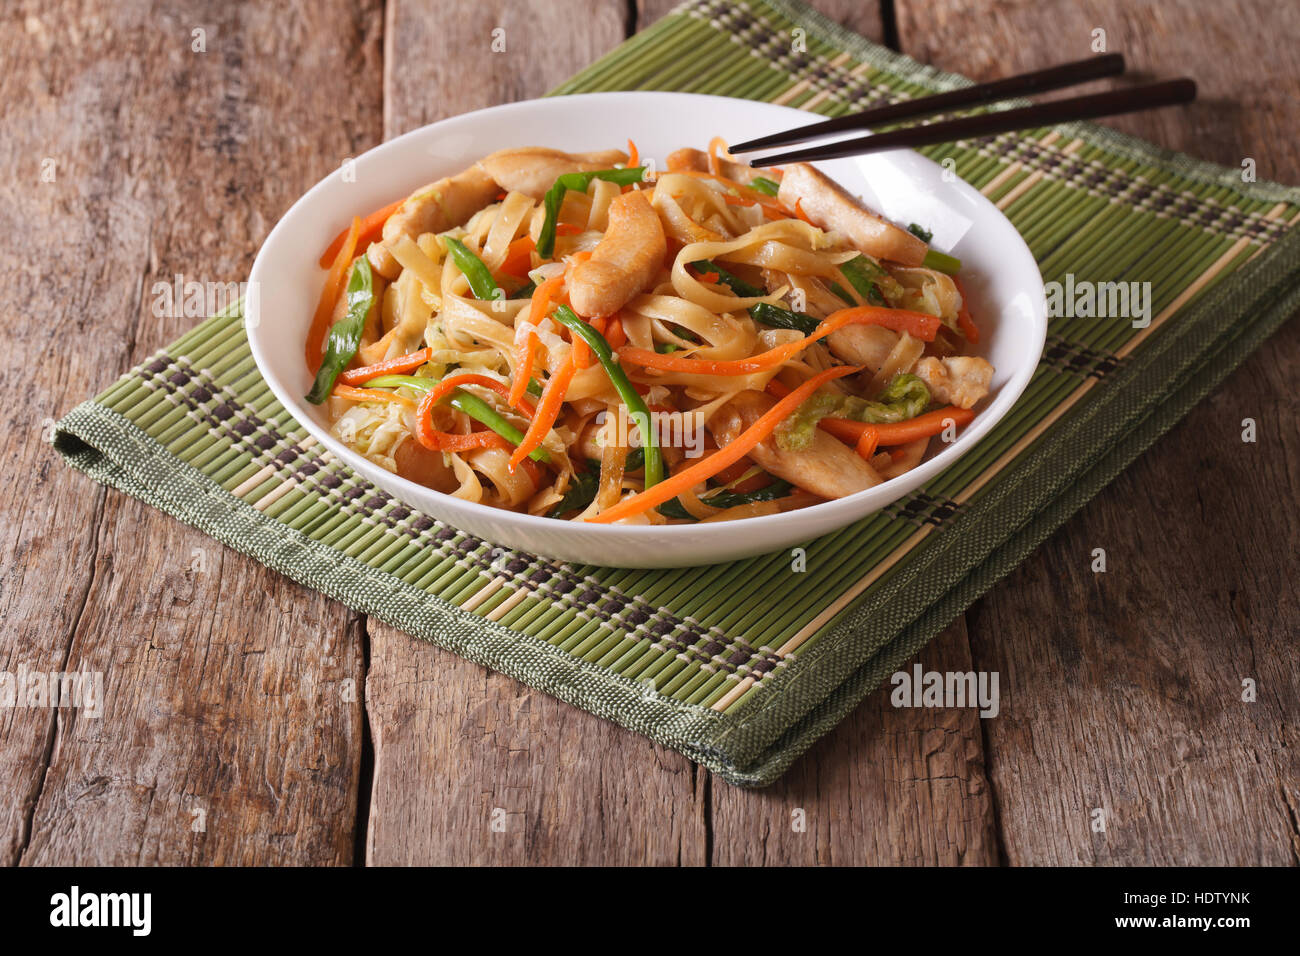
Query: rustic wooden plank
229	730
1131	701
865	18
471	766
888	786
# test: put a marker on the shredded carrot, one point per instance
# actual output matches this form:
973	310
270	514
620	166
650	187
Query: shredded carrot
867	443
732	452
965	321
633	155
398	365
453	382
899	433
567	229
519	258
547	412
582	353
615	335
320	322
435	440
370	395
798	211
525	356
372	228
919	324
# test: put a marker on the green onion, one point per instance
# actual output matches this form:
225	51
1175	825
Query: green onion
734	283
525	292
470	404
579	182
940	262
925	235
665	348
636	406
345	336
780	318
862	274
480	279
764	185
673	508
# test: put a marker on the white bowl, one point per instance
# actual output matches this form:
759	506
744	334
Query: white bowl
1000	276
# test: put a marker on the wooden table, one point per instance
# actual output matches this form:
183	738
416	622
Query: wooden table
249	720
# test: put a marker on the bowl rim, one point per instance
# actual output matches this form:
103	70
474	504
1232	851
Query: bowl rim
983	423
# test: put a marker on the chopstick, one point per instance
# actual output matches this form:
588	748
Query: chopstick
1039	81
1112	103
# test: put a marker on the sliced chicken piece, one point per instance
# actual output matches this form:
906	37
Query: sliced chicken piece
436	207
625	260
424	467
828	468
687	159
960	380
830	207
533	169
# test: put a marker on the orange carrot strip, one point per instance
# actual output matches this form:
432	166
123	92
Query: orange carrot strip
567	229
867	443
525	356
397	365
435	440
633	155
453	382
547	412
370	395
519	258
899	320
899	433
616	335
729	454
372	228
798	211
320	322
965	321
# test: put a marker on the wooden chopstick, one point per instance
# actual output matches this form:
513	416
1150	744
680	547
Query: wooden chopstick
1039	81
1112	103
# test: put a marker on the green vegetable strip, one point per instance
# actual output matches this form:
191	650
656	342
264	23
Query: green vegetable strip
579	183
780	318
764	185
779	488
862	273
480	278
636	406
345	336
904	398
734	283
925	235
940	262
470	404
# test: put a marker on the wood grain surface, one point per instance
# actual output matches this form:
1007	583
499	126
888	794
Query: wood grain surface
249	720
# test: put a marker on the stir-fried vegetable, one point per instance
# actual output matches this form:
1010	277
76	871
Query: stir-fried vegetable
345	336
764	185
779	318
729	454
728	499
464	401
905	397
480	278
925	235
585	484
940	262
636	406
578	182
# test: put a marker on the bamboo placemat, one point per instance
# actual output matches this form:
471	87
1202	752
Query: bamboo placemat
742	666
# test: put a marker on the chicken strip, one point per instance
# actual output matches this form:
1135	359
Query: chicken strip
828	468
625	260
687	159
960	380
437	207
533	169
831	208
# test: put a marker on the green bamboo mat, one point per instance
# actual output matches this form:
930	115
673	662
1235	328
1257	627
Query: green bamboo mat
742	666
